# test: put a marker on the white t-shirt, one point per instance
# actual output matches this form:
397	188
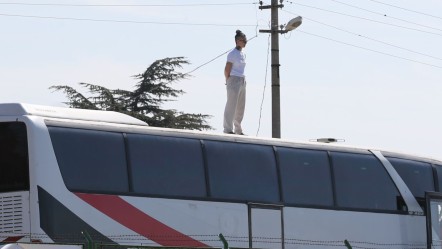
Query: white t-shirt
238	60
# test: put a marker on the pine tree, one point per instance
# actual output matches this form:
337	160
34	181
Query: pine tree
144	102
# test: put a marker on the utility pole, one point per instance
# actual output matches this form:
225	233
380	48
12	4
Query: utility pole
274	32
276	99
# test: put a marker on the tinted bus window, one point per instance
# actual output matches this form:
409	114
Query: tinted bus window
14	163
362	182
166	166
91	160
439	176
305	177
417	175
243	172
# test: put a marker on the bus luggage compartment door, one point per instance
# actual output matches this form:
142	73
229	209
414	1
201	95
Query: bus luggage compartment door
265	226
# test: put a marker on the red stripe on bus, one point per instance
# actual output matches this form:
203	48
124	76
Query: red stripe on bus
136	220
12	239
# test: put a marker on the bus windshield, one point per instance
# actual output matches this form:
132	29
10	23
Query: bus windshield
13	157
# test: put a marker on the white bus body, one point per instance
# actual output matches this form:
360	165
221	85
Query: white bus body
122	182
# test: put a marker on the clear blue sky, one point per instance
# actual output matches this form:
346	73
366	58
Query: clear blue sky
366	71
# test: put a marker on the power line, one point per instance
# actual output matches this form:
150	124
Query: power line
371	50
366	19
126	5
366	37
265	84
211	60
414	11
205	63
385	15
128	21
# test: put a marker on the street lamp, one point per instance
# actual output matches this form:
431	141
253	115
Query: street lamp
276	99
293	24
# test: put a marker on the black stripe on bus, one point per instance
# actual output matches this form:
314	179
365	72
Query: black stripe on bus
62	225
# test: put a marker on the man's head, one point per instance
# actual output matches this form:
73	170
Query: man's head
240	39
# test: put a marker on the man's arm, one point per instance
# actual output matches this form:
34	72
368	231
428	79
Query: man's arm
227	70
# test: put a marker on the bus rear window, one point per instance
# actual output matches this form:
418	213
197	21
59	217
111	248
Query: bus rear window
14	162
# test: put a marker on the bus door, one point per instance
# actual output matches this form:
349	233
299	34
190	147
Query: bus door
265	226
434	219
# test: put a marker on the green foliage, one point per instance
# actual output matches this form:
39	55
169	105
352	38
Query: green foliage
144	102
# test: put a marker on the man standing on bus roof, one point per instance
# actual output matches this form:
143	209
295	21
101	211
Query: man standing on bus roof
236	86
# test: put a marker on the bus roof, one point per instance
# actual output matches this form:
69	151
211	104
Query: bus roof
21	109
70	117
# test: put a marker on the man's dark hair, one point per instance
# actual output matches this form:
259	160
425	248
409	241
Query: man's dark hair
240	34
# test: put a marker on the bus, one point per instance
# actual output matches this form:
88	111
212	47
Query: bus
69	172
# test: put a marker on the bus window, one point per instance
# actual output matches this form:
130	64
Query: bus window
92	161
305	177
14	163
166	166
362	182
439	176
417	175
243	172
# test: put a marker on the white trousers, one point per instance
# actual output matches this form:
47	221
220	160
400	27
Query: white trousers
236	102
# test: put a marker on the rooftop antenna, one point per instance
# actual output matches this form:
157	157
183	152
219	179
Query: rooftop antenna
327	140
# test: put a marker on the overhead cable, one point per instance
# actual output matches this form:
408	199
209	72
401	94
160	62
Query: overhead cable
414	11
366	37
371	50
128	21
211	60
265	85
385	15
125	5
366	19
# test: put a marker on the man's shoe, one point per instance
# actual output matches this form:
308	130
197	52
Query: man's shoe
242	134
229	132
